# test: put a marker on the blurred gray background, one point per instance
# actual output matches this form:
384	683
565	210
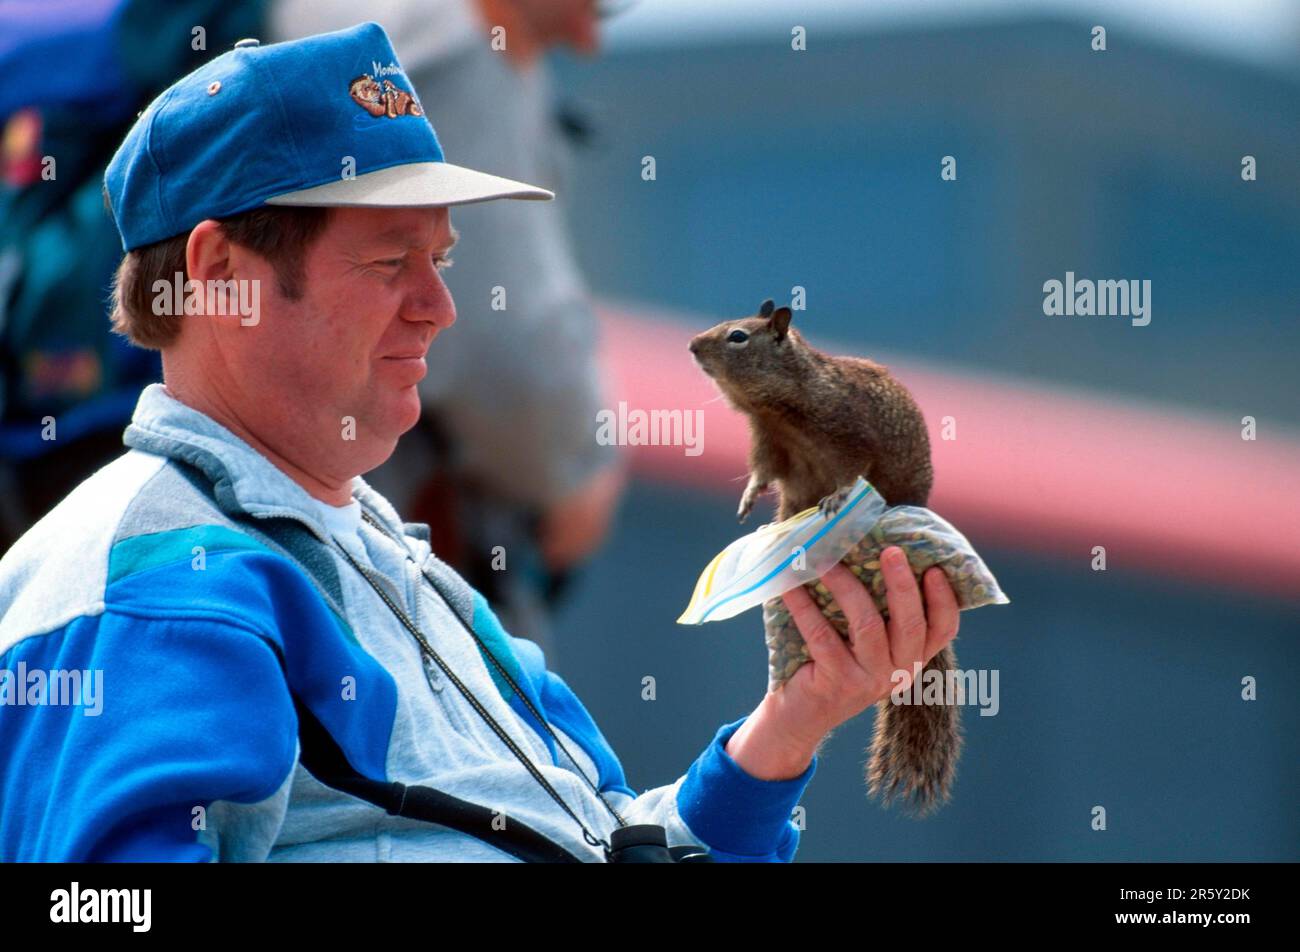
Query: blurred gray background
821	169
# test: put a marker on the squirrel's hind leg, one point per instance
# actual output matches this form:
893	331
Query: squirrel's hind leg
833	503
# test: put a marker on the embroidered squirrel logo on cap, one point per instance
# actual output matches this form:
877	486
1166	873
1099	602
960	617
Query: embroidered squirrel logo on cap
383	99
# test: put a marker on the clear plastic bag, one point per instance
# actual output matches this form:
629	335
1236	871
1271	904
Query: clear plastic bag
760	567
927	538
778	557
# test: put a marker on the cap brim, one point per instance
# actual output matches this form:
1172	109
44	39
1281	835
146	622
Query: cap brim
414	185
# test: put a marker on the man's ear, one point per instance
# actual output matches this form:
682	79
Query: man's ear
780	321
213	260
207	253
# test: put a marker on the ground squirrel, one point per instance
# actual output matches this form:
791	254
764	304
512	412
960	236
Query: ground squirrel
818	422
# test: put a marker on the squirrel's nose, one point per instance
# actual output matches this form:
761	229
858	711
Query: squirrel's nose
695	345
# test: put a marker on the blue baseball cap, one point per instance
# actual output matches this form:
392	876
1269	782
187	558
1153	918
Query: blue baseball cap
326	120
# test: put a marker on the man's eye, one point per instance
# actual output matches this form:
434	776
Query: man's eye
390	263
442	262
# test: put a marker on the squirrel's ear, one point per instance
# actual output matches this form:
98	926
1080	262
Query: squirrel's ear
781	322
766	309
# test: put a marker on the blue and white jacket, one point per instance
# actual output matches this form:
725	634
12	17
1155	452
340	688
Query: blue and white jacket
190	635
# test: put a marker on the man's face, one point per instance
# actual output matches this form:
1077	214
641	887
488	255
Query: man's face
342	362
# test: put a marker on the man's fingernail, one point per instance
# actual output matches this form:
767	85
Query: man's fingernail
896	557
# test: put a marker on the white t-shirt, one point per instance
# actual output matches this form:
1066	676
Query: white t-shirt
342	522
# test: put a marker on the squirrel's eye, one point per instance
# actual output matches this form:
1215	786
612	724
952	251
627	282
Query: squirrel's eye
737	337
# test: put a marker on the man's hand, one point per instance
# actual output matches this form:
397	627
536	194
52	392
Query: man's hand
843	679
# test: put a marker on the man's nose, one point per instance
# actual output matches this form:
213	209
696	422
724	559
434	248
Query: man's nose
432	302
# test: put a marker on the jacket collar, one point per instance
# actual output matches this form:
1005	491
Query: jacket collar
243	480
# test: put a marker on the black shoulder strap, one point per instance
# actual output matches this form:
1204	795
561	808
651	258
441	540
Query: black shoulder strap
322	757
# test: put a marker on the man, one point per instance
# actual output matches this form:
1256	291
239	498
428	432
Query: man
270	664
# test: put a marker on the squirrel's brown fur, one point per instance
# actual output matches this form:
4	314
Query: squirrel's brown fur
818	422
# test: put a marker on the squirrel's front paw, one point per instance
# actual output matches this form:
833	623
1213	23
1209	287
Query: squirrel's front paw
834	502
747	498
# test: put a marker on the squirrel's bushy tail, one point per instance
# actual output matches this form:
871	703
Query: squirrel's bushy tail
915	749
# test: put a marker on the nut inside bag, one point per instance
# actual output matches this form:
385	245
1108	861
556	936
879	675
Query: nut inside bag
760	567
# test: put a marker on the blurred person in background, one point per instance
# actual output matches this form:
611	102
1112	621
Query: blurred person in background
80	71
505	454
